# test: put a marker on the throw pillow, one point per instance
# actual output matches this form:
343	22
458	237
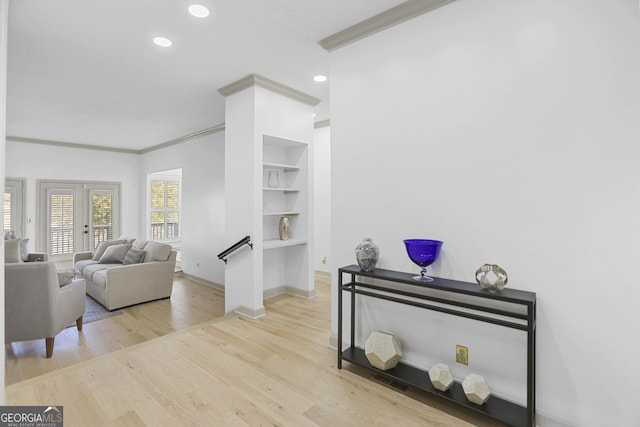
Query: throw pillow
66	277
12	251
114	254
157	251
134	256
139	244
102	246
9	235
24	250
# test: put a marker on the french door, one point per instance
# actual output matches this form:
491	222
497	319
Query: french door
76	216
14	206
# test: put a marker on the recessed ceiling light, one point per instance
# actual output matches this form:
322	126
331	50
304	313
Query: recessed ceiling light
320	78
162	41
198	10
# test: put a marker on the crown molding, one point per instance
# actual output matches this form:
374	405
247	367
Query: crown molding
208	131
70	144
322	124
176	141
180	140
394	16
263	82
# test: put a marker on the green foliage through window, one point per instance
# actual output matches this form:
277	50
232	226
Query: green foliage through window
165	209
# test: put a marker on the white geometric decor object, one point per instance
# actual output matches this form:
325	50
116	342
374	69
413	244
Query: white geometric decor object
440	376
476	389
383	350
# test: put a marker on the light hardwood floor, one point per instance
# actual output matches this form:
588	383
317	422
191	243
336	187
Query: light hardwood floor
231	371
191	303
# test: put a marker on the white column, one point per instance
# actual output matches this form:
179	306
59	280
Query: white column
243	272
260	113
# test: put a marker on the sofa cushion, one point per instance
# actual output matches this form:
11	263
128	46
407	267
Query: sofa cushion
114	254
157	251
134	256
100	278
90	269
102	246
80	265
12	251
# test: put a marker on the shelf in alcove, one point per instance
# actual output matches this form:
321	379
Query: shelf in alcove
277	243
286	168
285	189
280	213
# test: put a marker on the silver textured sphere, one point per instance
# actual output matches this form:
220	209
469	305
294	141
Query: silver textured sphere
491	277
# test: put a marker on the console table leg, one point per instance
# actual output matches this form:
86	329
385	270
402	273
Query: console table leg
353	312
339	343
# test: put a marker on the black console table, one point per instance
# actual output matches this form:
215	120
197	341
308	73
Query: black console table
455	298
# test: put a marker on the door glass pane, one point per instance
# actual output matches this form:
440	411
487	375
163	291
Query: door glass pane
8	212
101	218
61	222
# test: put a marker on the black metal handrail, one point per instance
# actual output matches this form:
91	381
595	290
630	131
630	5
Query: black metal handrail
224	254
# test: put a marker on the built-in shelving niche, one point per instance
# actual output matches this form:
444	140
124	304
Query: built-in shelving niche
290	197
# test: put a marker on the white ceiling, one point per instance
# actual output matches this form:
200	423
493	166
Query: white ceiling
87	72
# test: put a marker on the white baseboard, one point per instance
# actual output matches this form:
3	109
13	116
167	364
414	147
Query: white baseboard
322	273
200	280
333	341
549	421
251	314
269	293
288	290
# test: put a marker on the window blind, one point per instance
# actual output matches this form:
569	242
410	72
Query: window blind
61	224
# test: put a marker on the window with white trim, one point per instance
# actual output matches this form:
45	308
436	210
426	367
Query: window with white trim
165	190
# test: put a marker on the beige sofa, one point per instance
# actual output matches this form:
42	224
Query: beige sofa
119	283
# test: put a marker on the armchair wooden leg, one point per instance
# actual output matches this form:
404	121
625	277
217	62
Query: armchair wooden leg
79	323
49	345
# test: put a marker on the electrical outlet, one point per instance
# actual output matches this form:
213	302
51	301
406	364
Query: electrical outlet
462	354
324	259
198	264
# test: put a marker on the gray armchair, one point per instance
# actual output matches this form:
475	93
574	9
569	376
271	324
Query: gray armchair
35	304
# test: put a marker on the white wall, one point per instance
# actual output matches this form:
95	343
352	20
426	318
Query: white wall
38	161
203	216
202	161
509	130
4	19
322	198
